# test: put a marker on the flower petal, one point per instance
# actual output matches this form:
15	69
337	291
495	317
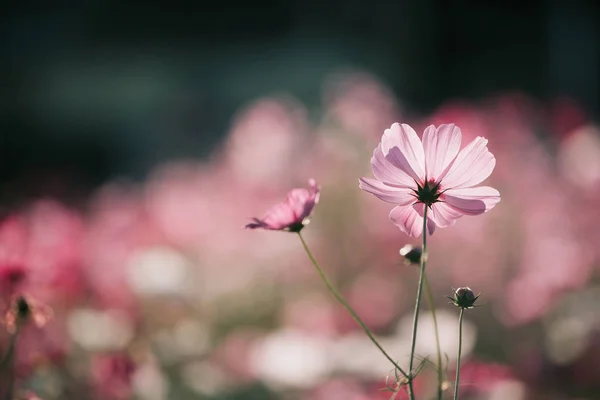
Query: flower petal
296	201
297	206
301	201
441	146
444	215
277	217
473	164
410	219
388	172
403	148
471	201
390	194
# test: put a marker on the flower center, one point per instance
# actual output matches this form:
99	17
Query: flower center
428	193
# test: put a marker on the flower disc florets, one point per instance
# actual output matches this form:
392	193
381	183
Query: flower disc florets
428	193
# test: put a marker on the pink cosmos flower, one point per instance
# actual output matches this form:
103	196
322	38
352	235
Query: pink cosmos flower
433	173
292	214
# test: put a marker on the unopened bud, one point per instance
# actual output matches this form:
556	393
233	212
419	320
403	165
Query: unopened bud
464	297
22	308
411	254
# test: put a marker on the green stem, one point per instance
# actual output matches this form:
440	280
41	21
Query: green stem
344	303
411	393
8	363
440	372
460	320
9	353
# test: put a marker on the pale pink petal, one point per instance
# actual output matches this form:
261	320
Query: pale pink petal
410	219
387	171
473	164
441	146
471	201
298	200
297	206
401	145
390	194
301	201
279	216
444	215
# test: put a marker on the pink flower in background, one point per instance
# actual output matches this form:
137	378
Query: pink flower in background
112	375
292	214
12	277
433	173
13	260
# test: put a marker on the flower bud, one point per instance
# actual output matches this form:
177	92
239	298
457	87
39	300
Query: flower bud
22	308
464	297
411	254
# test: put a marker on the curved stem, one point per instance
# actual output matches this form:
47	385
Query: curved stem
440	372
411	393
344	303
460	320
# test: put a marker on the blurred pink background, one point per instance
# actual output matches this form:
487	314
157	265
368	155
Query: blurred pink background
158	293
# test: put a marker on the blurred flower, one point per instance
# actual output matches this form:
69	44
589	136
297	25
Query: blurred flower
206	378
293	359
311	313
375	297
411	254
150	382
360	103
26	395
159	270
291	215
40	252
11	277
432	173
481	377
264	141
354	354
112	375
579	158
54	251
234	355
38	348
118	227
448	335
100	330
566	116
13	244
24	309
